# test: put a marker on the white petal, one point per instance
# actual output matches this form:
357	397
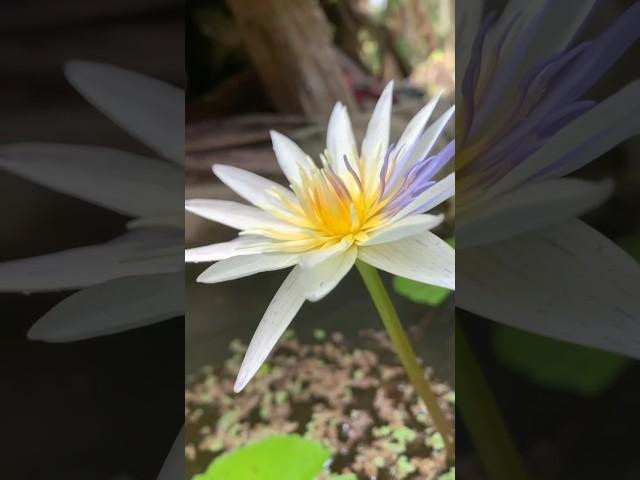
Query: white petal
430	198
376	140
173	466
429	138
424	257
221	251
321	279
528	208
235	215
340	140
243	266
565	281
291	157
592	134
403	228
120	181
150	110
250	186
112	307
315	257
86	266
416	125
281	310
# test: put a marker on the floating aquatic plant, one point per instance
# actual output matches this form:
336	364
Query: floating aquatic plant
364	206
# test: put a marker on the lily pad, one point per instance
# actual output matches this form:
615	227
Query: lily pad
631	245
279	457
558	365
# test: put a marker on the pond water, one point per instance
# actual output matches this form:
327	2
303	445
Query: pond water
221	313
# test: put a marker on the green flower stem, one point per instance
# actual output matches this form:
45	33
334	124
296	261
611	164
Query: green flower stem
480	415
407	356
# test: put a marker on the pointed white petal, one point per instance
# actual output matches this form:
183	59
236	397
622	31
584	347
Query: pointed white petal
236	215
120	181
416	125
173	466
291	157
430	198
315	257
376	140
112	307
243	266
429	138
321	279
129	254
403	228
251	187
528	208
340	140
281	310
222	251
424	257
565	281
150	110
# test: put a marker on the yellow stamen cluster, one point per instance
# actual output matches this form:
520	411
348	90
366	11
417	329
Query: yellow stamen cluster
331	207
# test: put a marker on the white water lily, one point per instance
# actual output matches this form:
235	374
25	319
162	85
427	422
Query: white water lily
524	259
369	205
136	279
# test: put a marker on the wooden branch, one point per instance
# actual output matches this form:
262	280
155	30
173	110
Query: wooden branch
290	46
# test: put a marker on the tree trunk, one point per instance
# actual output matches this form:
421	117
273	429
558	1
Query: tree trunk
289	43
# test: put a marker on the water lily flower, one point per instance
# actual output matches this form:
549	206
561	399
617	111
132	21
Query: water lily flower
135	279
524	124
369	204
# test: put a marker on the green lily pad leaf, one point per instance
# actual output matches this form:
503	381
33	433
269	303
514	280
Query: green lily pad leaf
558	365
346	476
437	442
420	292
631	245
450	475
279	457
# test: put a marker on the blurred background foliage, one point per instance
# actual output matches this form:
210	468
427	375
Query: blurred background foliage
374	41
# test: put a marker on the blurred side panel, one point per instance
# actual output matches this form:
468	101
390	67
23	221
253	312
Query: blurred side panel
547	238
91	275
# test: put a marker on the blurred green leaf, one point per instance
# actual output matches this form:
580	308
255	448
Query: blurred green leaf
280	457
437	442
450	475
558	365
631	245
421	292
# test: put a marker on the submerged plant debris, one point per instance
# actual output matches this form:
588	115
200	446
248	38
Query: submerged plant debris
356	401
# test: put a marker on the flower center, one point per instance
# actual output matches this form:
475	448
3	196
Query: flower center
334	203
337	206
